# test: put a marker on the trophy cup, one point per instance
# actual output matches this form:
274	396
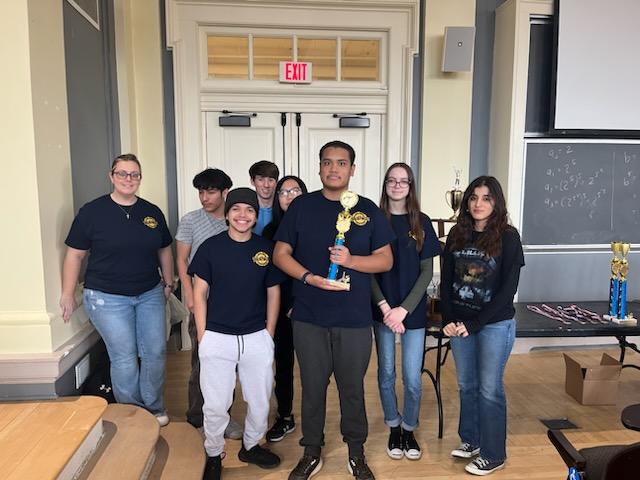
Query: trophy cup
614	284
454	196
618	287
348	200
624	271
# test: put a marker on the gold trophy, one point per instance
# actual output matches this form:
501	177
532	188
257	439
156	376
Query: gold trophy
348	200
454	196
614	284
624	272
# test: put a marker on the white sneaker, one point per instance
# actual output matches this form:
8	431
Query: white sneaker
465	450
162	418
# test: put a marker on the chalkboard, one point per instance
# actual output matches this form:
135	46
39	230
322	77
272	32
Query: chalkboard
581	193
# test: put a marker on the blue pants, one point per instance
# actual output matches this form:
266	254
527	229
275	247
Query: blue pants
133	327
412	343
480	362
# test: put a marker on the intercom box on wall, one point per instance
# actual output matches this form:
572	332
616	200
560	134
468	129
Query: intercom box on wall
457	49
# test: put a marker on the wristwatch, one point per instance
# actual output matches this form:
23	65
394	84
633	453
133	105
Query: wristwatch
303	279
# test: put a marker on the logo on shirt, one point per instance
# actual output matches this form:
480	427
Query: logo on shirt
150	222
359	218
261	259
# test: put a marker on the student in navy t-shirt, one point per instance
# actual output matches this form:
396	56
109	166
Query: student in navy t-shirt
400	296
332	327
480	273
124	295
236	300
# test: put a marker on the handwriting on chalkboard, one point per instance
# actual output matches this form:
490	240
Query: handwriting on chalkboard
581	193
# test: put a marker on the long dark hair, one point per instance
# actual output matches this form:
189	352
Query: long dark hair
412	204
498	222
276	210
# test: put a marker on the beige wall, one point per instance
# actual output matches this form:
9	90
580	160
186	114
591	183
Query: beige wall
139	53
35	195
446	108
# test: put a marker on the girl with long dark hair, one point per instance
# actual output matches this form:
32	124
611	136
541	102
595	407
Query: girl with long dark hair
481	269
287	189
400	295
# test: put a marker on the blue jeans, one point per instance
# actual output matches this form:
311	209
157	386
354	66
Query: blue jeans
480	362
412	342
133	327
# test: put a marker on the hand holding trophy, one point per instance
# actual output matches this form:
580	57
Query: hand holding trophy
348	200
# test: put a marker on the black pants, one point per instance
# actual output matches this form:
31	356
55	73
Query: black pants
345	352
284	365
194	409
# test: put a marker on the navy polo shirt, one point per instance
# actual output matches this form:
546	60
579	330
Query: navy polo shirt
397	283
310	228
238	274
123	258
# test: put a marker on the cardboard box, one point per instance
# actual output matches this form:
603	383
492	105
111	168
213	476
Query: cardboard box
593	385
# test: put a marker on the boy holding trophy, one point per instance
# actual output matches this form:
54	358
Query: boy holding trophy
333	230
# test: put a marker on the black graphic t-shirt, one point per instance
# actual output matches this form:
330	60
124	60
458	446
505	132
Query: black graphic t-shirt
477	289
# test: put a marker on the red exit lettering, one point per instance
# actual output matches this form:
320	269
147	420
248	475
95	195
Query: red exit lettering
294	72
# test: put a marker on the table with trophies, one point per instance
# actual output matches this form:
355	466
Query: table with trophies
613	318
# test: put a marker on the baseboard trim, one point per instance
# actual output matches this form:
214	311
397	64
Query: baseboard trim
34	375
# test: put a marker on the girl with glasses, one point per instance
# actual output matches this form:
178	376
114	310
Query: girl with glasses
128	244
287	190
400	295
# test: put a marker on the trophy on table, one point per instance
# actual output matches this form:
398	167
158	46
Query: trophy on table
618	286
614	284
348	200
454	196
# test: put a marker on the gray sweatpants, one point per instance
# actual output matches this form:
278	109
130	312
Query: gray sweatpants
220	355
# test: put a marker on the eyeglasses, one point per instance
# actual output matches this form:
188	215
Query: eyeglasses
392	182
135	176
292	192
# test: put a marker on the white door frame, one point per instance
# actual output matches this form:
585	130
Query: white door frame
189	20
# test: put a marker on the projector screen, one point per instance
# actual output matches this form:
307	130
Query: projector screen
598	65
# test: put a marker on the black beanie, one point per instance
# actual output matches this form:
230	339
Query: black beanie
241	195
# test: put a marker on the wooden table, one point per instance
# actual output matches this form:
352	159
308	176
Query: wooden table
532	325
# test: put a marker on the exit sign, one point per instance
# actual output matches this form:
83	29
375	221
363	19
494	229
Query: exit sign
295	72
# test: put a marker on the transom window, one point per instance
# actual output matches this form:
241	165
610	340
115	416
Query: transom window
258	57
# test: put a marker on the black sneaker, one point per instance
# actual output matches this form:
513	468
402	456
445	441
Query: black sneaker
482	466
465	450
410	446
306	468
213	468
262	457
280	429
394	445
358	467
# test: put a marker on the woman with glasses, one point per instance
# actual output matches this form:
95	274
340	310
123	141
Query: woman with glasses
480	273
129	276
400	295
287	190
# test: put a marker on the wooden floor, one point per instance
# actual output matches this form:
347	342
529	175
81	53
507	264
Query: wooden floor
535	390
